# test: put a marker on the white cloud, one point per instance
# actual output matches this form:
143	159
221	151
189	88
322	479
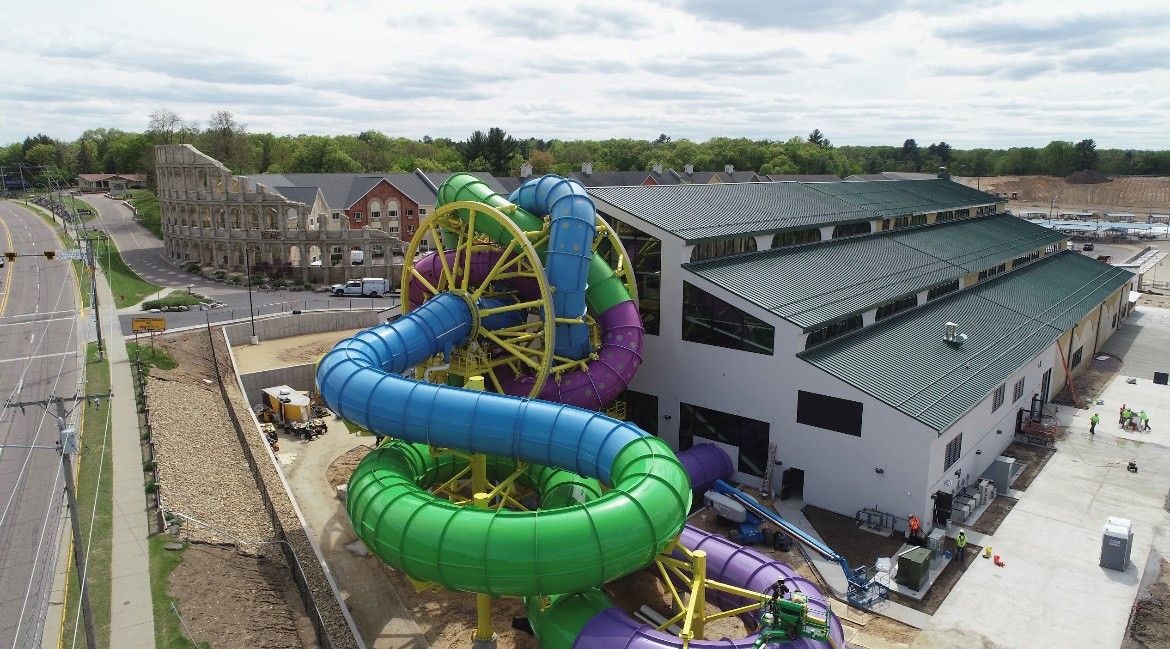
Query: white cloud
986	74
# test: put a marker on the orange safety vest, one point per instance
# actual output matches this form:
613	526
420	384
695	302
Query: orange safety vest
914	524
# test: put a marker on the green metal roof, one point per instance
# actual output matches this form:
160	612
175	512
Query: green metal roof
887	199
905	363
700	212
817	283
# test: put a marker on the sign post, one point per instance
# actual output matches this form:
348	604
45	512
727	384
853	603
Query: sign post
144	325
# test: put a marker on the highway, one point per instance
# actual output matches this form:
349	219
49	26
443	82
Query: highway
40	356
143	252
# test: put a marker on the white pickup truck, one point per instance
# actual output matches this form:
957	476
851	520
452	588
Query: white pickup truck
366	286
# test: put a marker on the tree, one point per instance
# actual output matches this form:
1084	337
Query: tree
163	124
1058	158
941	151
542	162
1085	155
912	155
818	138
224	139
41	154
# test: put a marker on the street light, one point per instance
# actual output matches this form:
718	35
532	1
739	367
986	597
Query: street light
248	276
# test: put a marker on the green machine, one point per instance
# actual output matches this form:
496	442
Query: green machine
785	617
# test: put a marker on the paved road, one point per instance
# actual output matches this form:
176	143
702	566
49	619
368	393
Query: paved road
39	357
144	253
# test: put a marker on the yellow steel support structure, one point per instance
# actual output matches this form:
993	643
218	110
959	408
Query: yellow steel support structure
479	489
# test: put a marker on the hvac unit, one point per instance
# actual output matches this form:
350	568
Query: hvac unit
1002	471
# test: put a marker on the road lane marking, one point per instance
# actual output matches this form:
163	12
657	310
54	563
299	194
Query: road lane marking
37	357
8	271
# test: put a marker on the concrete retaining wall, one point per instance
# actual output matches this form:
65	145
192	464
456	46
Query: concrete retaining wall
285	326
298	377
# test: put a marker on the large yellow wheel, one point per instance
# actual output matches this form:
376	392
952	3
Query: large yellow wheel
623	266
456	233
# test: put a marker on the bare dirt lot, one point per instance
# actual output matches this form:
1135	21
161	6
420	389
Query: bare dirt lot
284	352
219	589
1139	195
988	522
1150	627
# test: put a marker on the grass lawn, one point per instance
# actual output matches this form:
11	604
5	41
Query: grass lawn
83	209
168	630
151	355
146	206
129	288
94	483
67	242
178	298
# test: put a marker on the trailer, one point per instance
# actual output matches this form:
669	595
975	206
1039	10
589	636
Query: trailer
284	407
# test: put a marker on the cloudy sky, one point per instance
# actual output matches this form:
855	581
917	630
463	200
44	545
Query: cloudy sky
985	73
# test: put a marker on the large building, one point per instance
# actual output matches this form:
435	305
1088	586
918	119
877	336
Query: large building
813	316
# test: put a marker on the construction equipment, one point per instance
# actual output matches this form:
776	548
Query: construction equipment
863	592
289	409
748	531
785	617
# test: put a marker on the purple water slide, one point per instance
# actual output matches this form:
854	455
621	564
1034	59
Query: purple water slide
705	463
602	379
727	562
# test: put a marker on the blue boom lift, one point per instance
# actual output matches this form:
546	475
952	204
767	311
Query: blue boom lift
863	590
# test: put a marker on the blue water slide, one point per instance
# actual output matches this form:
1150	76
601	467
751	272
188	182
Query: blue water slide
573	222
360	381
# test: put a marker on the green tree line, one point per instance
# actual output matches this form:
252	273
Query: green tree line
106	150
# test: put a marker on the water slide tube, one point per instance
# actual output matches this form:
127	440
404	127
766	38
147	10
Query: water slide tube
588	621
583	539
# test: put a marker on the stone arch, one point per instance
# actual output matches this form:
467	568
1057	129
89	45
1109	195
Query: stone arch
294	255
220	219
236	219
270	216
314	255
254	218
205	216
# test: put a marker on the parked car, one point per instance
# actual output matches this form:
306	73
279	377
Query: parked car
1088	247
366	286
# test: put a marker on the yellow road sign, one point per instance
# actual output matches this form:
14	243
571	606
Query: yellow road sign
142	325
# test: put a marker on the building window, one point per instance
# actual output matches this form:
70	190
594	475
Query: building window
376	250
796	237
886	310
645	254
829	413
992	272
336	216
1020	261
410	229
997	400
357	217
832	330
918	219
335	250
1018	390
393	229
895	224
954	450
410	212
422	210
375	215
642	410
749	435
850	229
941	290
711	321
945	216
1076	357
392	213
722	248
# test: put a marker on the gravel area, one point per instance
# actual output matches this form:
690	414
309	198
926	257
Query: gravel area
202	469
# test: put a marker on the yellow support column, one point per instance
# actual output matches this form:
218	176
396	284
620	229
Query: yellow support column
483	638
699	591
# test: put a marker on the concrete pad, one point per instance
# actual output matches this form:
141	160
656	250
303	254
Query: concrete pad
1051	540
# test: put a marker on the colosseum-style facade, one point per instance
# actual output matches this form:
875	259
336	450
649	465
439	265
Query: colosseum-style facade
210	217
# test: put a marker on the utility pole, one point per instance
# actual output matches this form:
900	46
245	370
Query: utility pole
97	317
69	448
248	277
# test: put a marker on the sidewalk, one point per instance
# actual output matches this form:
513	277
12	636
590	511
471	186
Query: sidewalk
131	613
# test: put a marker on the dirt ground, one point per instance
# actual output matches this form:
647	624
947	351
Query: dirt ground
988	522
284	352
1089	383
235	601
842	534
1139	195
339	471
1035	458
1150	626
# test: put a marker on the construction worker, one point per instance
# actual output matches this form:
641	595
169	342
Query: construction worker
915	529
1121	415
1093	421
1145	419
1126	417
961	541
